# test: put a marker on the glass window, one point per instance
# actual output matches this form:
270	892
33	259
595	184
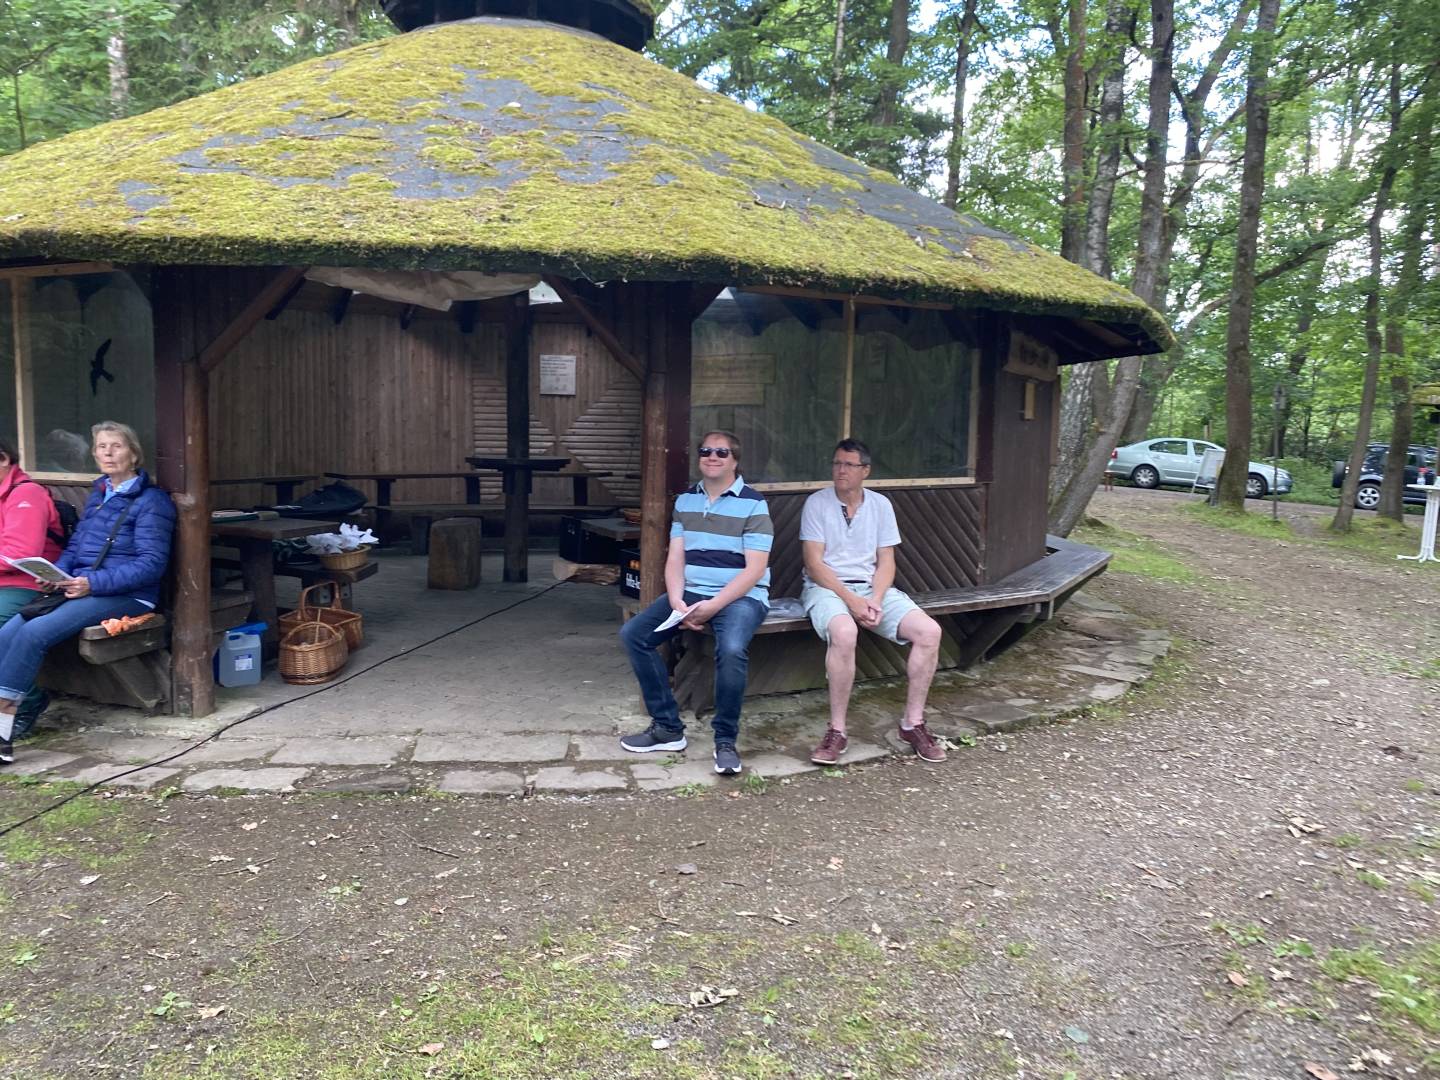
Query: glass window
772	369
1170	446
7	370
91	344
912	388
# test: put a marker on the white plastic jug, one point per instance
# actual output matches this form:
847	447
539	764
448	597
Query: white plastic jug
238	661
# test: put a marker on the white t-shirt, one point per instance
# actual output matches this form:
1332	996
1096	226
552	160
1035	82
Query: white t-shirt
850	546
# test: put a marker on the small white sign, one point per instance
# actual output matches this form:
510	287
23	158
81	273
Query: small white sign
557	375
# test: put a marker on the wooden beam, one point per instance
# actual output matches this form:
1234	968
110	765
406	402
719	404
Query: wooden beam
284	301
20	294
701	297
208	358
517	436
820	294
341	305
597	326
407	316
45	270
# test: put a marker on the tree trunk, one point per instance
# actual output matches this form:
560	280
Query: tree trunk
1238	419
1345	512
1407	282
1119	19
19	113
1072	153
115	52
836	66
1069	507
964	28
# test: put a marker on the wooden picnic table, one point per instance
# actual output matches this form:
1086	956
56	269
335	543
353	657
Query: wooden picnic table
284	485
254	540
384	480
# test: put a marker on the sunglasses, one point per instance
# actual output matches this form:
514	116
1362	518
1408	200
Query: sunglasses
718	451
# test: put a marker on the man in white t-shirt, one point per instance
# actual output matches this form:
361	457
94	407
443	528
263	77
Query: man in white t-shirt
849	536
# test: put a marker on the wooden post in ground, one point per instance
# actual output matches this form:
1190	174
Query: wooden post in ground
182	423
517	436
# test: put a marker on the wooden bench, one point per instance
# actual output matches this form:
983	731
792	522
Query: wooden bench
421	516
312	572
131	668
978	622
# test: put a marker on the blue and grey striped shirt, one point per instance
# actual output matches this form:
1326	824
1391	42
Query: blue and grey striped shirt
718	534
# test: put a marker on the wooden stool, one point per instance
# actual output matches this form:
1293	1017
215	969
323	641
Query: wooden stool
454	559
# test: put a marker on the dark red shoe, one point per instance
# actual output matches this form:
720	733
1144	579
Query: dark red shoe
926	746
831	748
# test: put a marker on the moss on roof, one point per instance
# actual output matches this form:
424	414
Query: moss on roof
499	144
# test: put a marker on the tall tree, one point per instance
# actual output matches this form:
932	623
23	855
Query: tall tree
965	26
1238	418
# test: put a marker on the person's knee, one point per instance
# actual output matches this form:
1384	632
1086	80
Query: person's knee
630	636
926	632
842	634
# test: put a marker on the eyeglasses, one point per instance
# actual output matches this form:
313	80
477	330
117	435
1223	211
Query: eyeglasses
718	451
848	465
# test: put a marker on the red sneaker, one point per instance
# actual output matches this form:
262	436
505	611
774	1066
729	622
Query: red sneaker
831	747
925	744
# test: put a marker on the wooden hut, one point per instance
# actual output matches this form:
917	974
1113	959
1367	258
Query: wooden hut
713	267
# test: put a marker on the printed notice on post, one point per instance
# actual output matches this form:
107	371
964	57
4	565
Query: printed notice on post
557	375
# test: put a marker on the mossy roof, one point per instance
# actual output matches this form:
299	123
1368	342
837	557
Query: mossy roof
499	144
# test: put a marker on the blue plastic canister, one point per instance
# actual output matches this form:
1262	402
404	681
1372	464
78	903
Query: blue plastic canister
238	660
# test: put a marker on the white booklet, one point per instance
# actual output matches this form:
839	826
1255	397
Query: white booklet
673	620
38	568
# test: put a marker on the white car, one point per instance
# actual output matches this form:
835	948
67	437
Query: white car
1176	462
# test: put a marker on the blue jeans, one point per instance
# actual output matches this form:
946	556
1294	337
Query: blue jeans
23	643
733	625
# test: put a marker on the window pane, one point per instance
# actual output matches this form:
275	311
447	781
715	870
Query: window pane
7	370
911	399
92	346
771	369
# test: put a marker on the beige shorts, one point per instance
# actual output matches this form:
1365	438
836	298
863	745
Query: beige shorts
822	605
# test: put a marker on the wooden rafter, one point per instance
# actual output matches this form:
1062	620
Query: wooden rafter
597	325
55	270
208	358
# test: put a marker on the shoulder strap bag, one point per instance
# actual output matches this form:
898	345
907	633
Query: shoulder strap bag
45	603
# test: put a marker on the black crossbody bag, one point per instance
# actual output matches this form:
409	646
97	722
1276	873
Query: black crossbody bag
45	603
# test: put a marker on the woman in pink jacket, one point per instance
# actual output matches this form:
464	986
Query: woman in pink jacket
29	525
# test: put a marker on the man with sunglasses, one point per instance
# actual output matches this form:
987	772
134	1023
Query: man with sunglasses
849	536
717	571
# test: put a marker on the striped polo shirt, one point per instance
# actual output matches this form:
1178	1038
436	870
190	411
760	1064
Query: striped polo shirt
718	534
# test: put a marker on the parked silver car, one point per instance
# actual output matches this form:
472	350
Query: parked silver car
1154	462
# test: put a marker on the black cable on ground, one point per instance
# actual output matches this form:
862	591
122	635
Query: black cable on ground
272	708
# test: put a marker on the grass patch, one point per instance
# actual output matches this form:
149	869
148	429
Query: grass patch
1245	522
1407	991
1132	554
88	830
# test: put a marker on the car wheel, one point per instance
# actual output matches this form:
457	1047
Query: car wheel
1255	487
1367	496
1145	476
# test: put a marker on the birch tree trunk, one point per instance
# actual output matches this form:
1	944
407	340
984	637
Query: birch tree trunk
116	54
836	66
1238	419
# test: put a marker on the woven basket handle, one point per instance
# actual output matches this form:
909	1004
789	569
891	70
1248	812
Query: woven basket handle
305	626
304	605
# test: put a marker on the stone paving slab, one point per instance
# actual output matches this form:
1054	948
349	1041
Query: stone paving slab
601	748
475	782
143	780
35	762
315	750
272	780
497	748
652	776
567	779
1128	675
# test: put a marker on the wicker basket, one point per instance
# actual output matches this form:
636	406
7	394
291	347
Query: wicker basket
312	653
350	623
346	560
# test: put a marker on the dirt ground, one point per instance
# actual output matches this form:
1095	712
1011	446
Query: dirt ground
1230	872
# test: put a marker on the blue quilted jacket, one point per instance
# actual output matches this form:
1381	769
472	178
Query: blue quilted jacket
141	551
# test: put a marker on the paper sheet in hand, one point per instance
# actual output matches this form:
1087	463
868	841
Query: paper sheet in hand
672	620
38	568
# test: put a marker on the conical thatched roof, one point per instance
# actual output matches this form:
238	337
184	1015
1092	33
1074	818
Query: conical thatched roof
499	144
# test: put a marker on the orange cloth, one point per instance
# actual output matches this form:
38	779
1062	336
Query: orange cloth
126	623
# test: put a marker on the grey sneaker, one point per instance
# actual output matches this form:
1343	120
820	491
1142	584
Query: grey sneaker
654	740
727	760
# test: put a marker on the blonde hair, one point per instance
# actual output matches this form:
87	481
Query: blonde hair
126	432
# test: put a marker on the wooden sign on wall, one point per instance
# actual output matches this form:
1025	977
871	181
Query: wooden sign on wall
557	375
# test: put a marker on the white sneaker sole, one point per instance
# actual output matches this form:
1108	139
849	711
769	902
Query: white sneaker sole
658	748
729	772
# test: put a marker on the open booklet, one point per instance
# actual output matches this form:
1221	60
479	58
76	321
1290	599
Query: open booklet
38	568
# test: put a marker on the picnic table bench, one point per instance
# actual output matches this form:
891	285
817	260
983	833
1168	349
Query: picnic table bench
284	485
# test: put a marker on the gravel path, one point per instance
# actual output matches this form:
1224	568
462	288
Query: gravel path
1229	872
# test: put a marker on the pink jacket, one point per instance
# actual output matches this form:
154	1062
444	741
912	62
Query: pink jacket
27	517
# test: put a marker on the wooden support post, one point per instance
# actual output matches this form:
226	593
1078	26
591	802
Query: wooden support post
517	436
849	367
20	293
183	465
644	308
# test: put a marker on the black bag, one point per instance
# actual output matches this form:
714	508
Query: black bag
68	515
45	603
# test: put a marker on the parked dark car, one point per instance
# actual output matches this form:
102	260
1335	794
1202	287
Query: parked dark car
1419	469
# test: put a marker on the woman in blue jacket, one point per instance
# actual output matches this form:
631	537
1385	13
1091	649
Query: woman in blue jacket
140	518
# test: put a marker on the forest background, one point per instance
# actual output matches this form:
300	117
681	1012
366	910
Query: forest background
1259	171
